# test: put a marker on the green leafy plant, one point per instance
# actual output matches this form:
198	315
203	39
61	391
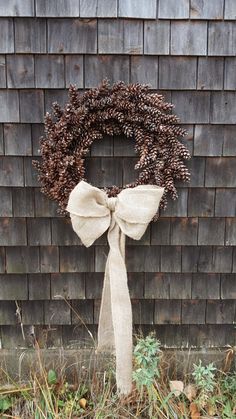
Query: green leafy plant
204	377
147	359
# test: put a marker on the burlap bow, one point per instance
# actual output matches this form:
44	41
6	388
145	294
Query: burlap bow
92	212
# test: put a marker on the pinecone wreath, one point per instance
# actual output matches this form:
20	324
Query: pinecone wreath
132	110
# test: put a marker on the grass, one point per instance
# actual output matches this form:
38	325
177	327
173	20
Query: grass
204	392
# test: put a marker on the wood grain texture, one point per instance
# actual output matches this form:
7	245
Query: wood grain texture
98	8
177	73
121	36
20	71
222	38
188	38
97	68
57	8
9	106
6	36
49	71
210	73
17	8
17	139
204	9
156	37
170	9
63	36
30	35
137	9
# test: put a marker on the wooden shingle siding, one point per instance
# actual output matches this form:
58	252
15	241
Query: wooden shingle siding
182	273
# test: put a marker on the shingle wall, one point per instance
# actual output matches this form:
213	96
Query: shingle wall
182	273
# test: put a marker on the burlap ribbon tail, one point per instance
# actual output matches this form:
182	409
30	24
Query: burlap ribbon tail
92	212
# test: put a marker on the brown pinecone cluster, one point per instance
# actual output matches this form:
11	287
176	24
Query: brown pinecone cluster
131	110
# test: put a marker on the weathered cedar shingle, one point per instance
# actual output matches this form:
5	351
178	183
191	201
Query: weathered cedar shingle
12	232
2	71
94	284
121	36
156	37
83	311
59	96
55	8
167	312
180	286
230	73
97	68
230	232
20	71
220	172
190	257
222	38
22	259
17	139
210	73
225	205
98	8
30	173
57	312
184	231
229	148
104	171
192	107
37	133
17	8
39	286
23	202
30	35
143	258
122	146
157	286
9	106
2	259
205	9
31	106
69	286
6	202
177	208
144	69
38	231
177	72
76	259
136	284
6	36
63	233
74	73
143	311
44	207
160	231
7	312
32	312
49	259
13	287
170	9
220	312
49	71
72	36
171	259
1	140
230	9
228	286
137	9
193	311
206	286
209	139
211	231
188	38
11	171
223	108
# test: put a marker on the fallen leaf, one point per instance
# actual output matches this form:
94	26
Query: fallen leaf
190	392
177	387
83	403
194	412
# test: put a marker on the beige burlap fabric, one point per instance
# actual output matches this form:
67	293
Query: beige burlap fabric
129	214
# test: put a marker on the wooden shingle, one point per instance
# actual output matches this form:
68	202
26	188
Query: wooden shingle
39	286
49	71
156	37
137	9
6	36
220	312
211	231
11	171
38	231
201	202
192	107
205	286
9	106
204	9
22	259
223	108
13	287
121	36
63	36
17	139
30	35
23	202
32	312
209	139
167	312
63	233
97	68
12	232
220	171
210	73
171	263
6	202
98	8
49	259
184	231
2	71
17	8
230	232
144	69
83	311
69	286
57	312
76	259
228	286
225	205
188	38
230	10
20	71
177	73
193	311
170	9
55	8
31	106
222	38
74	73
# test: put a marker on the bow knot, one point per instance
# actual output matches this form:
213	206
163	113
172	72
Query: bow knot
111	203
92	212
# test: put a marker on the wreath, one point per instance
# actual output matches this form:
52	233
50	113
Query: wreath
133	110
